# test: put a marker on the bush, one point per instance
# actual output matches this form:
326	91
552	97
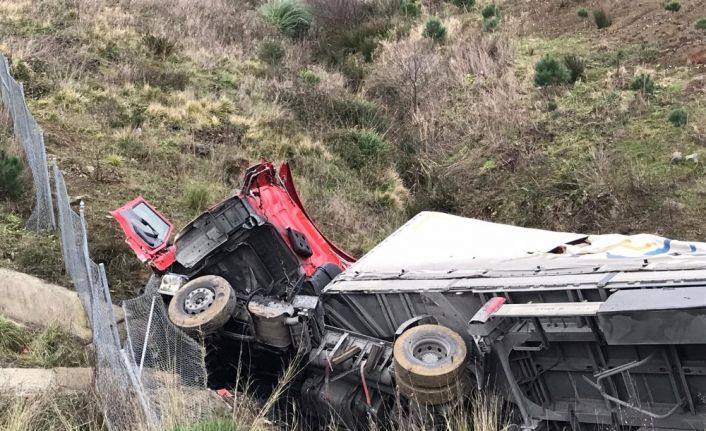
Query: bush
358	112
576	66
11	180
678	117
197	197
490	10
159	46
672	6
309	76
550	70
270	52
552	106
601	18
582	12
643	83
490	24
359	148
464	4
435	29
700	24
410	8
291	17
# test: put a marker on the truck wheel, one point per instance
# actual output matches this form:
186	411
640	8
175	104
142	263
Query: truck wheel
453	391
203	304
429	356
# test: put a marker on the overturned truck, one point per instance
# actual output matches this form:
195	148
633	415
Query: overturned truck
571	330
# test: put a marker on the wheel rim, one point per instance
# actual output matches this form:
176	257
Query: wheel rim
430	351
199	300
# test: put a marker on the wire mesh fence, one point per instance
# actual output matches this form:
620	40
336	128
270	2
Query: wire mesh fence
154	375
31	138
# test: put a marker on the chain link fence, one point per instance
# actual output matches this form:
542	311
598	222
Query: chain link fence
31	138
154	375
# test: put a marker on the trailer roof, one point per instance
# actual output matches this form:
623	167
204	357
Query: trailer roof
438	246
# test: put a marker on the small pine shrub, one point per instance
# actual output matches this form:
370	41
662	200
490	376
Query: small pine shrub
11	180
491	24
582	12
700	24
601	18
643	83
678	117
196	197
576	66
552	106
410	8
270	52
435	29
291	17
360	148
309	76
550	71
490	10
464	4
672	6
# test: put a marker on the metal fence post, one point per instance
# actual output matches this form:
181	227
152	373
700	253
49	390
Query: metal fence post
147	337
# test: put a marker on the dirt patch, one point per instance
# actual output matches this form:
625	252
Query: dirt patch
643	22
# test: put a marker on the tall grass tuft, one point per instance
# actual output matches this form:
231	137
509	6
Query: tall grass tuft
601	18
197	196
291	17
576	66
11	181
435	29
672	6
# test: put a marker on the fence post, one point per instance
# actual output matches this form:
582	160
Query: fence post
86	258
147	337
150	416
109	302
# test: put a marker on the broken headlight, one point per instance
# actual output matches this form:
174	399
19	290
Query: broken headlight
171	283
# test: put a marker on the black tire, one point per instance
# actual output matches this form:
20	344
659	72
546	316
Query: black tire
429	356
204	305
454	391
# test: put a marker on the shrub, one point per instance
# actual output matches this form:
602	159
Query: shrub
678	117
490	10
410	8
114	160
358	112
11	180
672	6
576	66
601	18
196	197
550	70
309	76
359	148
435	29
552	106
582	12
643	83
490	24
464	4
159	46
291	17
271	52
700	24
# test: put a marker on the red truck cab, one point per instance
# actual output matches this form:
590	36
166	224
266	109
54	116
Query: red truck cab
262	230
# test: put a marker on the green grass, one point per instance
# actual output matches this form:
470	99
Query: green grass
700	24
39	347
672	6
435	29
291	17
212	425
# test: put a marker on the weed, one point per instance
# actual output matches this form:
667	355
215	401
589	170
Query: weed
576	66
12	183
551	71
358	112
601	18
131	146
700	24
643	84
552	106
291	17
464	4
582	12
219	424
490	10
159	46
410	8
114	160
490	24
435	29
359	148
270	51
672	6
309	76
678	117
12	337
197	196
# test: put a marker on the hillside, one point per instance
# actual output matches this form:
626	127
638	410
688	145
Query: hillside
518	111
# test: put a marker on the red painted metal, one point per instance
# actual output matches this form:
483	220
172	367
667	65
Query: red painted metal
274	197
160	257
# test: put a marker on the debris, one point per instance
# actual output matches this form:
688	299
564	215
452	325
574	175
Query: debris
694	157
677	157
